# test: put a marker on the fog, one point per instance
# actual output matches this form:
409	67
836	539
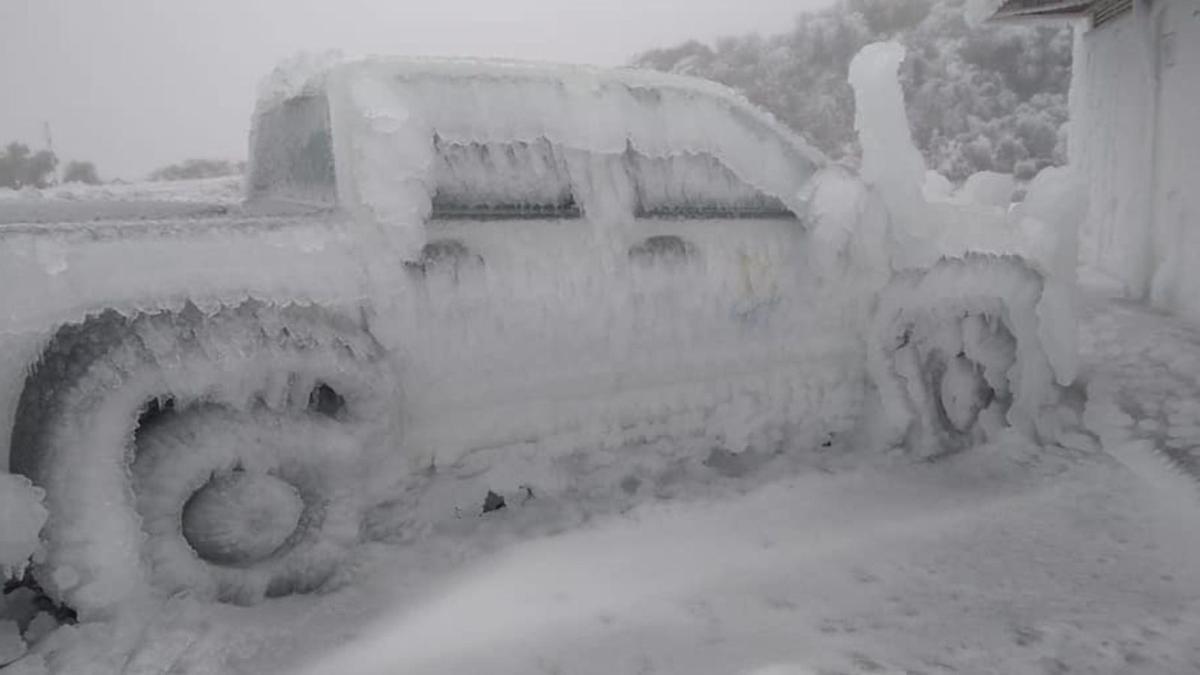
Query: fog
134	84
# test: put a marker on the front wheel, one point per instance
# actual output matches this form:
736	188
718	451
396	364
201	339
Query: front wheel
226	455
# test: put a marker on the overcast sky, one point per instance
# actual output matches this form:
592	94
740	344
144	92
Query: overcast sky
136	84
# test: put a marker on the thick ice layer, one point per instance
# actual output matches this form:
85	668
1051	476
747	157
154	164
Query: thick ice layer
514	177
683	313
1049	221
76	437
683	337
750	339
982	309
696	185
891	163
947	296
919	231
561	265
56	274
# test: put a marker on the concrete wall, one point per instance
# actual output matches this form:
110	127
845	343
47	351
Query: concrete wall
1135	106
1176	197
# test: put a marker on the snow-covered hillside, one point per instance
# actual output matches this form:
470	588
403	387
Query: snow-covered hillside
981	96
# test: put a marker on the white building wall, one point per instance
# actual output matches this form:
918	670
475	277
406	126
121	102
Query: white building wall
1111	137
1176	205
1135	109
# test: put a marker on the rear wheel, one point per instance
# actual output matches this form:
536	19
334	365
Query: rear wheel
955	378
957	354
226	455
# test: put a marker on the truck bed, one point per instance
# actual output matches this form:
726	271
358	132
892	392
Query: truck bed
63	259
44	215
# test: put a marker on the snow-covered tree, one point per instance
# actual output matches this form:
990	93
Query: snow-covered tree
991	97
81	172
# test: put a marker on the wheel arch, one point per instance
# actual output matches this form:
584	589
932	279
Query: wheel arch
97	368
1003	288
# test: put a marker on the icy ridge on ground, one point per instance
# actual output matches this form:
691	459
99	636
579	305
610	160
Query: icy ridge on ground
1144	402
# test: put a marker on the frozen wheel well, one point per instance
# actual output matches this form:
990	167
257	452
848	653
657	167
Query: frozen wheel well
958	356
69	354
218	421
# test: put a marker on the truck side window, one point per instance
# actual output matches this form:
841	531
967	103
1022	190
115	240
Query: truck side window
695	186
498	181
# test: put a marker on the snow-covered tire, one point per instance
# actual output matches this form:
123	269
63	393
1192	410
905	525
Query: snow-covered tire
226	455
956	354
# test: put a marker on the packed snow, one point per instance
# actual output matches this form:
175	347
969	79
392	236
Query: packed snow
1014	560
742	495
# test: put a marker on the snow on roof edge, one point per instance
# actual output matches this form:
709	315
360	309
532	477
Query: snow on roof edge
1041	9
307	74
386	112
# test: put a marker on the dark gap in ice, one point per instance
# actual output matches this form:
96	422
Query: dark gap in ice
667	248
630	484
728	463
493	502
324	400
42	602
440	250
154	411
447	254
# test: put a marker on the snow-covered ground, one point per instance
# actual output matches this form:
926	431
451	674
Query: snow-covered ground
224	190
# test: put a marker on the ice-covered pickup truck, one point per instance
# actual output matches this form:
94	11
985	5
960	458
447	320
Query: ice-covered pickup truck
506	277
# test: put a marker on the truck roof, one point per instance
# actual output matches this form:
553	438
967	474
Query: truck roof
381	125
305	76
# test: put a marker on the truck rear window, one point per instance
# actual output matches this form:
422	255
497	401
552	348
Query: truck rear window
293	152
